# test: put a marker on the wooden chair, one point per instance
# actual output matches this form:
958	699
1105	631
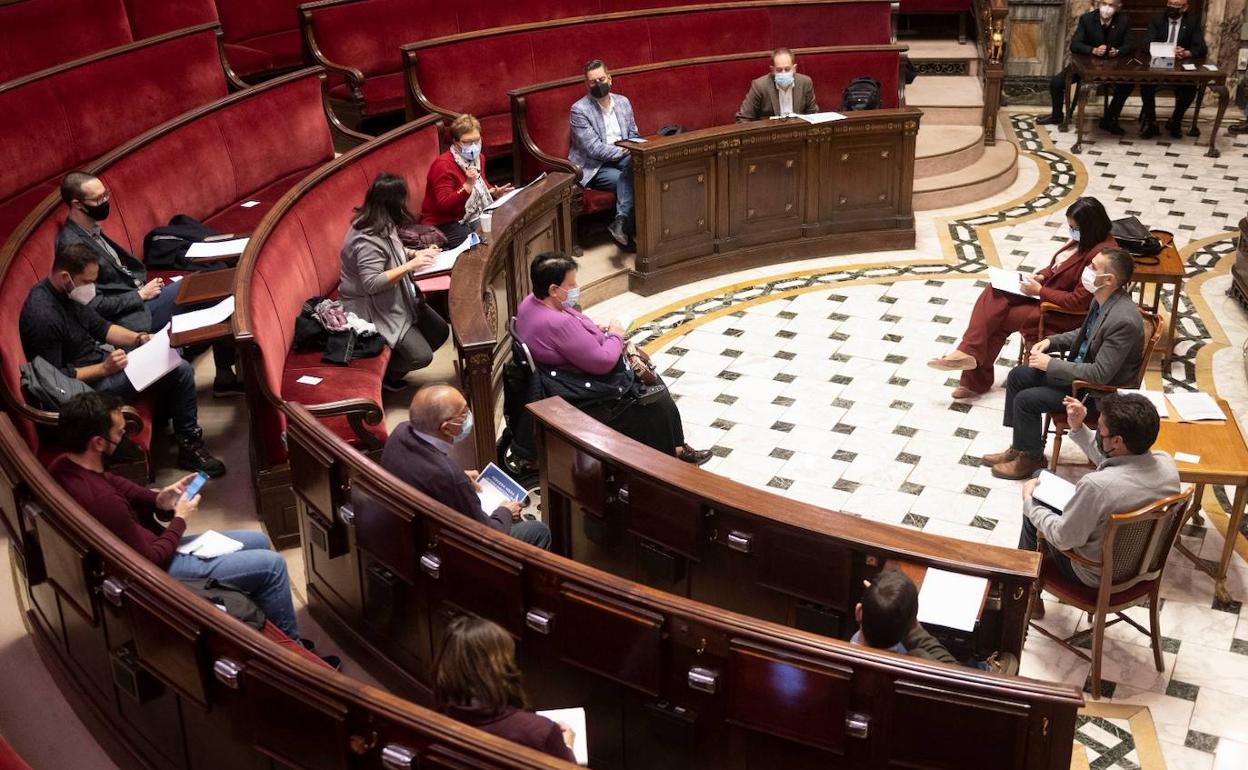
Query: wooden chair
1133	557
1055	422
1025	344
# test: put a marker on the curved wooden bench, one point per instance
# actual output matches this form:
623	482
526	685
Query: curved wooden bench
472	72
666	681
252	145
166	680
61	118
295	254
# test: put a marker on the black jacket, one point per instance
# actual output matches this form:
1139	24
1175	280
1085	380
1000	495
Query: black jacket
116	291
1191	33
1090	33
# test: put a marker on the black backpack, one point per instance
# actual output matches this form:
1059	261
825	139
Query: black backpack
165	247
861	94
228	599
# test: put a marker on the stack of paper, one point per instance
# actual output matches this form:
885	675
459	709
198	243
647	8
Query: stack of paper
148	363
821	117
210	250
572	723
198	319
497	488
1053	491
500	200
1194	407
1008	280
1156	396
445	260
951	600
210	545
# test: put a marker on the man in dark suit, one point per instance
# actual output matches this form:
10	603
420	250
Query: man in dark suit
418	453
1106	350
123	293
1102	33
780	92
1186	32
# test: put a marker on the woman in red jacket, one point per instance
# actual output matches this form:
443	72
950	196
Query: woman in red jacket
456	191
998	314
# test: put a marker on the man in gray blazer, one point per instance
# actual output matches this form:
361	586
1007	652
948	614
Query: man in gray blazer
599	120
781	92
1105	350
1127	476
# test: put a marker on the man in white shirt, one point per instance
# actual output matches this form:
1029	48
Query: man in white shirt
598	121
1185	31
781	92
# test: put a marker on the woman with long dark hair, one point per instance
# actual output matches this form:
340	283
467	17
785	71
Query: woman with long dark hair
477	681
998	314
376	283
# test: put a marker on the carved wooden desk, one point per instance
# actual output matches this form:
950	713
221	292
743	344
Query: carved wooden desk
1094	71
722	199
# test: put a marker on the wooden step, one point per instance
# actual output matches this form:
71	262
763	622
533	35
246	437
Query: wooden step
993	172
941	148
947	100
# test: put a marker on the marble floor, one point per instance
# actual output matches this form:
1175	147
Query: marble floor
810	380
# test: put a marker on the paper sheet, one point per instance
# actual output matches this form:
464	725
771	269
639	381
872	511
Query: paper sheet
1184	457
821	117
446	260
951	600
308	379
217	249
497	488
198	319
1054	491
249	204
210	545
1194	407
148	363
508	196
1008	281
1156	396
572	720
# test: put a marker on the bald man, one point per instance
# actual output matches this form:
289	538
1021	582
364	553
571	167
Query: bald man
418	452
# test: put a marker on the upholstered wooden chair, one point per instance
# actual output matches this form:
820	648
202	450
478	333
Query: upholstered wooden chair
1133	557
1055	422
1046	308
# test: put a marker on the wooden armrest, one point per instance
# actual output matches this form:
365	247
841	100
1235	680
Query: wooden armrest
1079	385
133	420
1084	561
1049	307
359	412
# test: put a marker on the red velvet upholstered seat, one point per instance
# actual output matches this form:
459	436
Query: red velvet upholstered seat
1065	588
261	35
382	93
37	34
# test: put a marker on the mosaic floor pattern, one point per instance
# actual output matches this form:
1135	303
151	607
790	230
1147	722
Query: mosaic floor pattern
811	381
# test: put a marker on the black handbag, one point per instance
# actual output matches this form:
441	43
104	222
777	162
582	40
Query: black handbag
1133	236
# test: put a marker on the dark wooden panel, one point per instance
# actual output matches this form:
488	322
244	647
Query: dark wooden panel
9	511
621	642
936	727
768	202
481	583
579	475
398	612
780	694
337	577
665	515
68	567
683	221
804	564
865	182
296	726
168	647
391	539
315	480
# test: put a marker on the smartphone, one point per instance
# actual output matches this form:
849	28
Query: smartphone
196	484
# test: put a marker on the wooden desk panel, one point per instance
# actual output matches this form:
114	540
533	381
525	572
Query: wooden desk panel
725	198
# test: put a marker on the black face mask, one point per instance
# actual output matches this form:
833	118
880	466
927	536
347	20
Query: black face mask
599	90
98	212
1174	13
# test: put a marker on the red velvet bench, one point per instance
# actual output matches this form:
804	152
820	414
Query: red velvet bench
261	36
514	57
709	91
294	255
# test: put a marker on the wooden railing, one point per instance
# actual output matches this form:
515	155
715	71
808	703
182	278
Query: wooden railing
990	23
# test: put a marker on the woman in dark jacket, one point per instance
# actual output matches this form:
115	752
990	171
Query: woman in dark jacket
477	682
998	314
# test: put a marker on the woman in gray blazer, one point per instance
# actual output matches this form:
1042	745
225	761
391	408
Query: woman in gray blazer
376	282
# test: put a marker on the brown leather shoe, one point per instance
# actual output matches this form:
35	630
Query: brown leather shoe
964	392
1021	467
1000	457
957	361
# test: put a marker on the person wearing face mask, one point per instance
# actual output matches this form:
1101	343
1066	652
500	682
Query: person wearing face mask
1127	476
58	325
561	336
598	121
1106	350
375	281
418	452
1100	33
456	191
998	314
124	294
781	92
1186	32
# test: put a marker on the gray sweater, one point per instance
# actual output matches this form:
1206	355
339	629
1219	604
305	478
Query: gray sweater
1118	485
364	290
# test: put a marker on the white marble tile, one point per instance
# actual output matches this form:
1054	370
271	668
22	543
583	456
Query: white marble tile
1170	715
1180	757
749	468
1231	755
1221	713
1212	628
1208	667
879	504
815	494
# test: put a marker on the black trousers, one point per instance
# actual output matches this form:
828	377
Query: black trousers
1028	398
455	232
1183	98
1057	93
415	349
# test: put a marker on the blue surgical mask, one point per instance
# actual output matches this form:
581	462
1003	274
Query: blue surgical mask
470	152
1074	234
464	429
784	79
574	297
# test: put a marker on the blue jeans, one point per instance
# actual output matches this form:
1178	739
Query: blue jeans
257	570
175	397
617	176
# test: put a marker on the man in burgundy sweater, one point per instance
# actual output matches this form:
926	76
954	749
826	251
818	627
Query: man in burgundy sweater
91	427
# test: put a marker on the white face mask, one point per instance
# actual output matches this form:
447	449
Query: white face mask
464	429
1088	279
81	294
1107	12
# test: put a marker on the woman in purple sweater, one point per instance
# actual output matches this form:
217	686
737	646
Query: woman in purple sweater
477	682
563	337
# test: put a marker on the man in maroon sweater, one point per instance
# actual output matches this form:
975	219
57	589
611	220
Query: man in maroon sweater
91	427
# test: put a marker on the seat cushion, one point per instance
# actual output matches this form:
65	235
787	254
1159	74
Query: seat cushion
382	93
246	60
237	219
361	379
594	201
284	48
273	633
49	450
1074	591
